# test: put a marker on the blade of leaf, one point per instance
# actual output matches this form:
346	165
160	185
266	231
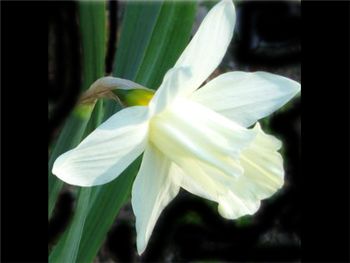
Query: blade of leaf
70	136
165	47
137	30
92	21
138	25
63	253
171	26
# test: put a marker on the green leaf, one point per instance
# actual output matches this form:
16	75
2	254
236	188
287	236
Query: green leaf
170	37
137	28
69	137
106	202
92	25
153	37
92	21
63	253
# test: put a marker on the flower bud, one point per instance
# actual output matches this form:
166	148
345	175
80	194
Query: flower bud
124	91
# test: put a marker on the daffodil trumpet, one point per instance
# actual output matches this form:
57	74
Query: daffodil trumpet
199	139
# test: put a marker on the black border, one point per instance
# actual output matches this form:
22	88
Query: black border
325	131
23	131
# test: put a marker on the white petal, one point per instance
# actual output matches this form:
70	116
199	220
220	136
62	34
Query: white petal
151	193
189	130
263	165
208	182
246	97
167	93
263	176
237	196
208	46
107	151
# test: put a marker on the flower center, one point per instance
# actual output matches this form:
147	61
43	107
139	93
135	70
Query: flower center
189	130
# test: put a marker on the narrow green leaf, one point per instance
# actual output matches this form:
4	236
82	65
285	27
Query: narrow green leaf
62	252
92	23
137	30
69	137
153	37
105	205
170	37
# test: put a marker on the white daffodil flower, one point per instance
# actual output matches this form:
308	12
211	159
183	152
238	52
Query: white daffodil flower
197	139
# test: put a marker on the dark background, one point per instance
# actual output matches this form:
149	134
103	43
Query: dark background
321	192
